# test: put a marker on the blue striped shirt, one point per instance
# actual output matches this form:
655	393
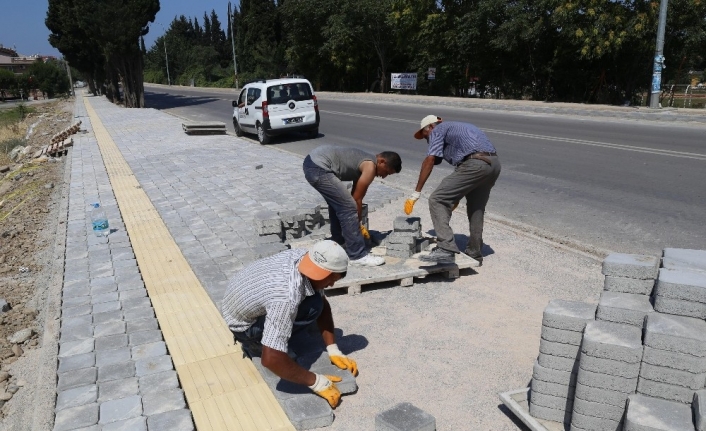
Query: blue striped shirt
453	141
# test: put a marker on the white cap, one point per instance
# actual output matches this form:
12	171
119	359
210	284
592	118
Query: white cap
322	259
429	119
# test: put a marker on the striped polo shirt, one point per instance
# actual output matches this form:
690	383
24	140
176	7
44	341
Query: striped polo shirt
272	287
453	140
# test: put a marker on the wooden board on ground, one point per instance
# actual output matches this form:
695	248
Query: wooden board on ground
517	402
395	268
204	127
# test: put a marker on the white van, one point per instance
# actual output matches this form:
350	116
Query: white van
276	106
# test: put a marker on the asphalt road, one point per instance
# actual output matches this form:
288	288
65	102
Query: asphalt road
597	184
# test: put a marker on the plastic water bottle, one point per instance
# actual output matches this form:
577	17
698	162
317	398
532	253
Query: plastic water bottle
100	220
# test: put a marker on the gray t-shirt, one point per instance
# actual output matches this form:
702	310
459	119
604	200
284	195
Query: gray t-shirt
343	162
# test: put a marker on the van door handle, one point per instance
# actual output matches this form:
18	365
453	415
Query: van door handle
246	111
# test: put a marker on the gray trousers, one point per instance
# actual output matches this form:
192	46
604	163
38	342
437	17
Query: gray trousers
473	180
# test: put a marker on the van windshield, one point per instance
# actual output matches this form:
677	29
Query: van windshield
281	94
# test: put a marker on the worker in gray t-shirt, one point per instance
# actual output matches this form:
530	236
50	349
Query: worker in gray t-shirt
326	168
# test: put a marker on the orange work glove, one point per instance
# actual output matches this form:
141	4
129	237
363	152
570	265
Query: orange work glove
340	360
365	232
455	206
325	387
409	203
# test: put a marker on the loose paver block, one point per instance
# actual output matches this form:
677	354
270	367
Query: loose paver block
405	417
407	224
665	391
681	284
568	315
178	420
614	341
679	307
598	395
681	258
631	265
672	376
120	409
308	411
698	406
609	366
76	417
628	285
676	334
652	414
598	410
627	308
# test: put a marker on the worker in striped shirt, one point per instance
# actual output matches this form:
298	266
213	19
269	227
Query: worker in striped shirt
272	298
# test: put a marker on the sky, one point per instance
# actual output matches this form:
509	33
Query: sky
22	22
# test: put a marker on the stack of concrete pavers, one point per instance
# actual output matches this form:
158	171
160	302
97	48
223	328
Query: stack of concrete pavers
301	221
268	223
402	241
652	414
681	292
628	308
674	363
608	373
699	409
554	376
679	258
630	273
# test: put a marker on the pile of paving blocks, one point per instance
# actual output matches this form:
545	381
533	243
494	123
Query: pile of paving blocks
405	238
59	142
626	364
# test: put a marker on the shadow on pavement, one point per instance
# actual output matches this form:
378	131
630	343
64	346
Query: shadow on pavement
167	101
520	425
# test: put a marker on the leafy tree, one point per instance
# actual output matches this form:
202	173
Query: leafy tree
50	78
7	83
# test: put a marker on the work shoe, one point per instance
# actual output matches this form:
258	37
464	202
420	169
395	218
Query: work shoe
439	255
478	257
368	260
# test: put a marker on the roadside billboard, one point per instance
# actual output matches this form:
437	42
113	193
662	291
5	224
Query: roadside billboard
403	81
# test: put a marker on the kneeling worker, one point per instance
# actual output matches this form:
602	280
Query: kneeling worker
272	298
325	169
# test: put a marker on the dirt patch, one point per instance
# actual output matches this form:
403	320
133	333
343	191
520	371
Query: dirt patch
30	192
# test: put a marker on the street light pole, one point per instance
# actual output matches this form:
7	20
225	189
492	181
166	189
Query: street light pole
166	58
658	65
232	40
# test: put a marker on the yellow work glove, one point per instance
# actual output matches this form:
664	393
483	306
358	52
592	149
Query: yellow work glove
340	360
325	387
409	203
365	232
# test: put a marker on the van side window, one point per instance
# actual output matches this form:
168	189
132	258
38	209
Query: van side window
243	95
253	95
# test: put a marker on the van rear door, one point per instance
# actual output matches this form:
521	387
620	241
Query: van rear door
290	105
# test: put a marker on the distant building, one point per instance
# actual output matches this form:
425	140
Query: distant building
16	63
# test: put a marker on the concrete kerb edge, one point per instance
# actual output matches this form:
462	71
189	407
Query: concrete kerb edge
512	399
48	363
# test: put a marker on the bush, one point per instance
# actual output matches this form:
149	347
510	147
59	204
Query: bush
7	145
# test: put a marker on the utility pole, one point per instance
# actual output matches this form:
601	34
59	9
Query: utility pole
232	41
71	81
166	58
659	58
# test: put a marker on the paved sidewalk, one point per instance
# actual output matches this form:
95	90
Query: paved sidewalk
114	369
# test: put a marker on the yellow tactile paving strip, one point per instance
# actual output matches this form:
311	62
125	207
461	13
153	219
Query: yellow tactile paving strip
224	391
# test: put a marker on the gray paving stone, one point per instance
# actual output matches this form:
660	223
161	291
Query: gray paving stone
599	410
681	284
672	376
550	414
407	224
610	367
153	365
142	325
134	424
558	363
76	301
134	293
605	381
628	285
698	406
116	389
676	334
159	382
652	414
561	336
549	401
553	376
553	389
680	258
347	385
104	297
76	417
677	361
665	391
149	350
121	370
570	351
583	422
627	308
568	315
76	378
76	362
103	281
136	303
163	401
680	307
104	307
308	411
73	292
108	288
75	333
111	328
138	313
631	265
145	337
72	348
614	341
110	316
177	420
130	283
404	417
76	397
111	342
120	409
76	311
598	395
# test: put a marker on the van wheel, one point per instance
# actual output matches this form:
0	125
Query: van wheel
236	126
262	136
